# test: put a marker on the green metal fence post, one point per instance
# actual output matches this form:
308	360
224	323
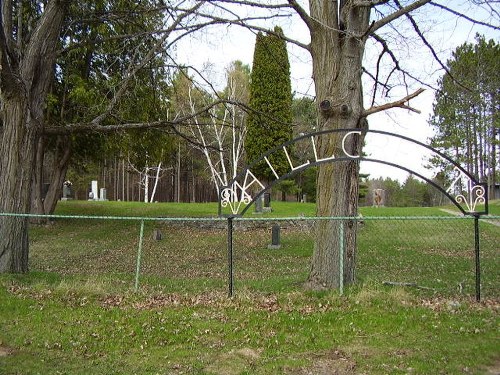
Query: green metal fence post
230	255
478	262
139	251
341	257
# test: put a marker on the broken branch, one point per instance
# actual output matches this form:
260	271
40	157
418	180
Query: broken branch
397	104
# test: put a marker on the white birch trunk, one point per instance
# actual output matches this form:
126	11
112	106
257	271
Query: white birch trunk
146	184
157	178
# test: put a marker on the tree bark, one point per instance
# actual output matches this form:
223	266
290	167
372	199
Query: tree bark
337	52
25	77
16	167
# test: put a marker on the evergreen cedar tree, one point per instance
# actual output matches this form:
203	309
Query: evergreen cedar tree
269	123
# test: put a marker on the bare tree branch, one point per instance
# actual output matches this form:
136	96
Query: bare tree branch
254	4
461	15
397	14
302	13
431	49
369	3
375	78
397	104
243	23
82	127
397	65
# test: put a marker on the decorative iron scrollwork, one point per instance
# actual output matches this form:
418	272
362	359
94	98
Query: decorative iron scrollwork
466	191
236	195
233	197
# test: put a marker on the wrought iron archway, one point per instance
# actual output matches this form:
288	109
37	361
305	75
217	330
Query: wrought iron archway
465	192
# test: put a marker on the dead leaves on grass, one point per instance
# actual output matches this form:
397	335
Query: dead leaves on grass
216	300
270	303
439	304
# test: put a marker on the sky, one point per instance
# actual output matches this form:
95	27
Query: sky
214	50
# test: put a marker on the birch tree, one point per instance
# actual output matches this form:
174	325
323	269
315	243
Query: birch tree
219	133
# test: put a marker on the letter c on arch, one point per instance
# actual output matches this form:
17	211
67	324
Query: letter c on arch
343	143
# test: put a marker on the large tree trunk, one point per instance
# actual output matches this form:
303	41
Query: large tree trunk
337	66
26	70
16	167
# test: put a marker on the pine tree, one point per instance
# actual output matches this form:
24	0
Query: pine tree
465	118
269	122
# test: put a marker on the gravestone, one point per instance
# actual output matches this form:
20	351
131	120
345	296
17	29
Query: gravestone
258	205
67	193
157	235
94	191
275	237
267	203
267	199
102	196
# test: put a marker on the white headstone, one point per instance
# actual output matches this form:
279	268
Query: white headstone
95	192
102	196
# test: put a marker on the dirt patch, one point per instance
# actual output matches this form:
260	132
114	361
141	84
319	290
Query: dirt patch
234	362
5	351
494	369
334	362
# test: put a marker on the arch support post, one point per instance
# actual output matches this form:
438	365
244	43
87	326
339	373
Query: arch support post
477	258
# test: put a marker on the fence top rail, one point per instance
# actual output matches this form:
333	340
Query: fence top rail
236	218
100	217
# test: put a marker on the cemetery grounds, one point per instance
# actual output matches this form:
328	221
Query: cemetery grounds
82	309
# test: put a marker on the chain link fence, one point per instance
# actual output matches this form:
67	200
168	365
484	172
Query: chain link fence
433	255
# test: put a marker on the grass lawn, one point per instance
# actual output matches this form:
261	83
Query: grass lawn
76	312
494	207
